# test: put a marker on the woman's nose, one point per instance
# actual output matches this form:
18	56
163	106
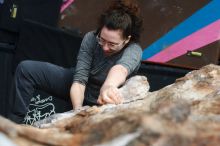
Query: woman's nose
105	47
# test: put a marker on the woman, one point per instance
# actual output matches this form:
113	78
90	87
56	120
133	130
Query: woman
106	58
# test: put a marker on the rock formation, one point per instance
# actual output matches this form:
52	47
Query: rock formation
185	113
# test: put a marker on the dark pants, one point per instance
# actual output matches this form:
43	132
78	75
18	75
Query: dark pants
31	75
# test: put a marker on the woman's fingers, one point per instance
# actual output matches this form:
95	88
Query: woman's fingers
100	101
117	96
108	99
111	95
104	99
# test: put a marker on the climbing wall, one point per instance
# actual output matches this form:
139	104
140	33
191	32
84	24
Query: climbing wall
181	33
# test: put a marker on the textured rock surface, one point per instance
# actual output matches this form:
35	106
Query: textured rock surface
185	113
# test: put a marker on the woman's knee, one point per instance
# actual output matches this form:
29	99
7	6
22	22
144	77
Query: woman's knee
26	66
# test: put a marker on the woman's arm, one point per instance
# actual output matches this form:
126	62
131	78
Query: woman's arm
109	91
77	95
81	73
117	75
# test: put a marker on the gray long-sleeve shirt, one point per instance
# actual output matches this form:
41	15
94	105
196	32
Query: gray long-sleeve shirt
93	66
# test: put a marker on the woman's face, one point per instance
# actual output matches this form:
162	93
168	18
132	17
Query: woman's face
112	41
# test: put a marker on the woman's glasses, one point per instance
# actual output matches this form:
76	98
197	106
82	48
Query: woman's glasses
111	45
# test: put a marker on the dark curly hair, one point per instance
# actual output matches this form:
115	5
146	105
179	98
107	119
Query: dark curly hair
124	15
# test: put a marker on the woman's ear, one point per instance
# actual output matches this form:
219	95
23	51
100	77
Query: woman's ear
128	39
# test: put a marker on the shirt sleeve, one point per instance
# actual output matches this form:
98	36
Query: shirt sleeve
131	57
84	59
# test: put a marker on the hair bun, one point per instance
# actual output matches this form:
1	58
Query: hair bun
128	6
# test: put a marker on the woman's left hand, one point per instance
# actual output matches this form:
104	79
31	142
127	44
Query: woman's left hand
109	95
